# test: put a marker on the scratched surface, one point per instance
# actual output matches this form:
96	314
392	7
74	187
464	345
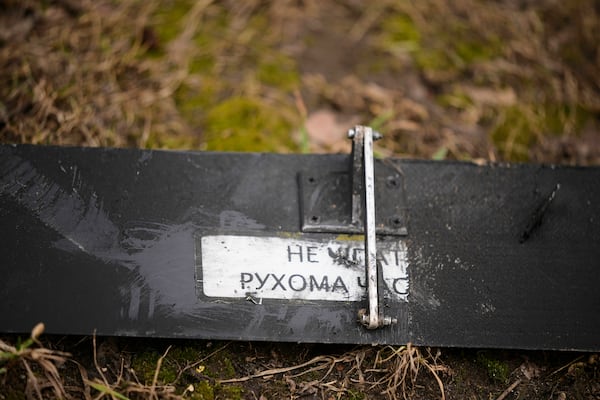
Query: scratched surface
106	240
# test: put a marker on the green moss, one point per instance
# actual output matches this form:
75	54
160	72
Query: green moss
400	33
169	19
185	353
473	50
144	365
434	59
497	370
202	63
230	392
455	99
355	395
455	52
518	128
228	369
203	391
246	124
514	133
441	46
242	122
179	141
168	24
221	368
559	119
207	42
193	102
280	72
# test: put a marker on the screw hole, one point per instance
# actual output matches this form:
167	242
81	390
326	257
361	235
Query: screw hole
392	182
311	179
396	221
314	219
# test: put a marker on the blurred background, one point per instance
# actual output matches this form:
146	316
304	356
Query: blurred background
512	80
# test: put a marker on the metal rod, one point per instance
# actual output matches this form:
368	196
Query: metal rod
363	213
370	238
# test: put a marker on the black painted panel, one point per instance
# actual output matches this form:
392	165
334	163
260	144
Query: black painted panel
105	239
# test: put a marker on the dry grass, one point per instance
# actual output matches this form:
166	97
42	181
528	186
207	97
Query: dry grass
390	371
82	79
124	389
466	80
47	377
40	364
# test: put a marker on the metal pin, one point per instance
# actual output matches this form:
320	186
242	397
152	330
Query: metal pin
363	137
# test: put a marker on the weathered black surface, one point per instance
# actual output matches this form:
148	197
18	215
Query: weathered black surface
103	239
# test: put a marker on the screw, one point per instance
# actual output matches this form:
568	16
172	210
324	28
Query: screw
352	133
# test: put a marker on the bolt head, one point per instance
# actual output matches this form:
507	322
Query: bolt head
351	133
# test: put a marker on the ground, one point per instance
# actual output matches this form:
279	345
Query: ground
514	81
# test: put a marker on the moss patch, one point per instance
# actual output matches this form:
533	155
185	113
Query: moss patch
400	33
279	71
144	365
496	369
246	124
442	47
231	392
518	128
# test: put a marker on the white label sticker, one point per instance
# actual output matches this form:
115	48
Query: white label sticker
290	268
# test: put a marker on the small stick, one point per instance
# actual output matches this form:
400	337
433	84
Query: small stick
277	370
509	389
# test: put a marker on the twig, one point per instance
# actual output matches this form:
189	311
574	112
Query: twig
277	370
566	366
156	372
437	378
98	366
32	378
509	389
194	364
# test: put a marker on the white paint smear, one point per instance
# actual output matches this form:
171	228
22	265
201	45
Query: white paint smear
291	268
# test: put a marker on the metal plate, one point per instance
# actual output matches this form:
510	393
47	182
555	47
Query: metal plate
295	267
326	202
106	240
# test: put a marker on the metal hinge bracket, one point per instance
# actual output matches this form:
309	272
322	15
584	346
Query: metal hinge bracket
344	202
331	201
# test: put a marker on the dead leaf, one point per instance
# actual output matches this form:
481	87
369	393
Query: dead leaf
327	132
530	370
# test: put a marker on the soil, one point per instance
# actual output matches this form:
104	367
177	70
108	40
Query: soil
514	81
